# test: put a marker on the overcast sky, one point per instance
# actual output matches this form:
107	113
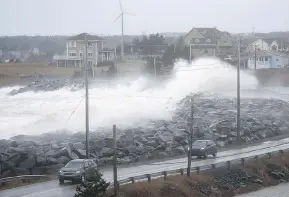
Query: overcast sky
66	17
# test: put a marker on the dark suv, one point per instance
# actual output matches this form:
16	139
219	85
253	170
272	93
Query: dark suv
204	148
76	170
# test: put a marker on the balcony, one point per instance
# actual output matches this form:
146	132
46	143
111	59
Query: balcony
64	57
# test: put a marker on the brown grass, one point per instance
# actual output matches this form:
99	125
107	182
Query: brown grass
20	183
8	72
183	186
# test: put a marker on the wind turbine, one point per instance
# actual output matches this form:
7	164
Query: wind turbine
121	15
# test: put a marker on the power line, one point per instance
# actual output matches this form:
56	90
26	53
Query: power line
75	109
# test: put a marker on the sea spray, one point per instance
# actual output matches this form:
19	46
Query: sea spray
125	104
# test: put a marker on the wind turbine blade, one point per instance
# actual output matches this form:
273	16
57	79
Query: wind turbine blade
129	13
117	18
120	5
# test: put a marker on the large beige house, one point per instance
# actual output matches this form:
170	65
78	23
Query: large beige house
73	56
208	41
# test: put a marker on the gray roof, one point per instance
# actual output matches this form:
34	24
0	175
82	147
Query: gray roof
268	40
213	34
284	41
82	37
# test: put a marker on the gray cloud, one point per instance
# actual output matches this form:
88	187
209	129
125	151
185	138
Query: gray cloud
47	17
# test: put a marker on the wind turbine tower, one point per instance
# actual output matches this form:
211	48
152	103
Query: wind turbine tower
121	16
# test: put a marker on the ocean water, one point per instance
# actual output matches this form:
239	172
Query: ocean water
125	103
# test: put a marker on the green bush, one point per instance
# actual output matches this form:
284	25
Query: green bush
95	185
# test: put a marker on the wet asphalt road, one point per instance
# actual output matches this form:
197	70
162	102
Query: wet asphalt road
53	189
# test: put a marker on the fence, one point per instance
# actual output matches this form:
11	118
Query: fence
23	178
163	174
197	169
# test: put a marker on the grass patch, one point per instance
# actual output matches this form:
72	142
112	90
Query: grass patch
19	183
254	175
9	72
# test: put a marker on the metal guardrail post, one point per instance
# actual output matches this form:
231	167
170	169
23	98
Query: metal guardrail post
256	158
269	155
165	175
243	161
198	169
213	166
229	166
182	171
132	180
281	151
149	178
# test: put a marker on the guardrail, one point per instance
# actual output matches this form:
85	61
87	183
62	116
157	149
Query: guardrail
197	169
22	178
163	174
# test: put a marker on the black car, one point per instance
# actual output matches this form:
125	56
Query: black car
76	170
204	148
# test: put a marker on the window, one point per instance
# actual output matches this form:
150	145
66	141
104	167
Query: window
72	44
208	40
89	54
266	59
80	54
89	63
197	41
72	54
277	59
89	44
261	58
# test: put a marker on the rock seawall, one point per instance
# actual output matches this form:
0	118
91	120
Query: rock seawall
215	119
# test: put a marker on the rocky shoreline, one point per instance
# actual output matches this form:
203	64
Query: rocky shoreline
45	84
214	119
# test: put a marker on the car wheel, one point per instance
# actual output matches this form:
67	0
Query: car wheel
206	154
61	181
215	154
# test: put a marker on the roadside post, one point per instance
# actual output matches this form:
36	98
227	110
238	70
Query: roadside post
115	162
191	123
238	91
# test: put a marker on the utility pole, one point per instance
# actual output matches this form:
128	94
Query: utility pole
238	90
255	56
190	52
191	124
155	68
255	49
122	44
86	98
115	162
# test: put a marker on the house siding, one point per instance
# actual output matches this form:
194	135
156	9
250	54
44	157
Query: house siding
192	34
274	61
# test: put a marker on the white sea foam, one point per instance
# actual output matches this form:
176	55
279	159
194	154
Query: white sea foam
123	104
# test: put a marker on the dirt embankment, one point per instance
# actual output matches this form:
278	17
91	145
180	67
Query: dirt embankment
254	175
23	73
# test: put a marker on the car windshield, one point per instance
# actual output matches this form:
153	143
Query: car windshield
73	164
200	143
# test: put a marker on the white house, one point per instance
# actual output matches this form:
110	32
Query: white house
267	44
268	59
208	41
